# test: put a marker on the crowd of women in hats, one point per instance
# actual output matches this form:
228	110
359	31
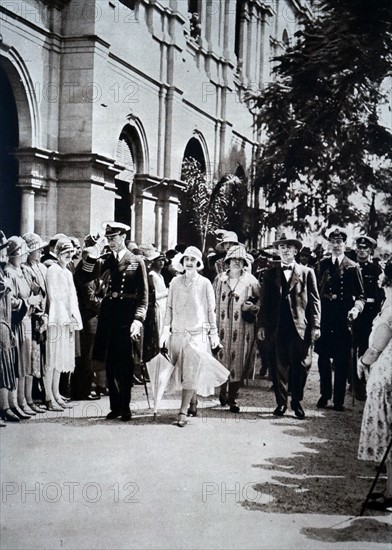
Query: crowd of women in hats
206	304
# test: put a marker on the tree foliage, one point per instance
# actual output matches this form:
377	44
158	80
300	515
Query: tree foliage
324	141
220	205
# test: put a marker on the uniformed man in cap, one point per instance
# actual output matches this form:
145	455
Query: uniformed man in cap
122	312
364	248
342	300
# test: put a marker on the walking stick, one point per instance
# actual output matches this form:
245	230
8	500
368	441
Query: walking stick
352	363
379	468
145	383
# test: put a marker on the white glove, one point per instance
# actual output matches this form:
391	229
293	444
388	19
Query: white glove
136	327
164	336
353	314
214	340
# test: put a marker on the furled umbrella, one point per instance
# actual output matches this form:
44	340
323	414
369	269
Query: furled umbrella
160	370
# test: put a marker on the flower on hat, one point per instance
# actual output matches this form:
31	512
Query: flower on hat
33	241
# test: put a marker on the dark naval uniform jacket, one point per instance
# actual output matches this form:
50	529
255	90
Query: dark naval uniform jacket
340	289
374	298
125	300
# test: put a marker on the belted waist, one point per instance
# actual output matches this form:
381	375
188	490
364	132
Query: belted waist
331	296
121	295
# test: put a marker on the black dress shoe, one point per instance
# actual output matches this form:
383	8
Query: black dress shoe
280	410
126	417
223	401
9	416
20	414
234	409
298	410
322	403
339	408
113	415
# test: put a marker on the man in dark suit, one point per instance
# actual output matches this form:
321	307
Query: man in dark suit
342	300
122	312
289	321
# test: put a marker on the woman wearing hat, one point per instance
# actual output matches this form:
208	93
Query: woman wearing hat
35	274
235	290
7	340
191	322
23	303
376	430
64	319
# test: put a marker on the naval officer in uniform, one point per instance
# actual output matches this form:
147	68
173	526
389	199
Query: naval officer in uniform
342	300
123	310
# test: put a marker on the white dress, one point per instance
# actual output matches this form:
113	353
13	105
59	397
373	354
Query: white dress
63	312
190	313
376	429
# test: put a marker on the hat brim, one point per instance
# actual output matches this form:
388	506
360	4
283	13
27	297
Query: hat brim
293	242
4	245
37	246
220	248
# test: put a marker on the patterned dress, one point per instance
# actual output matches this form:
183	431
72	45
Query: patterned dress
21	319
376	430
236	335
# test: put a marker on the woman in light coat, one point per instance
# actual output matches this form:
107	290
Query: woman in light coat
236	290
64	319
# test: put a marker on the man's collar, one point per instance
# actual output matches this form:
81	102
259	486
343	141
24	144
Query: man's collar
339	258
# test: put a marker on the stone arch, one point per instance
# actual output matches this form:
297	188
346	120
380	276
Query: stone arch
19	133
131	158
197	149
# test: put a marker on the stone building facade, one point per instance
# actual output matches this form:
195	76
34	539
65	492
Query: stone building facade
102	99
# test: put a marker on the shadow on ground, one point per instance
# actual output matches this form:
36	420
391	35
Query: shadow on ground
360	530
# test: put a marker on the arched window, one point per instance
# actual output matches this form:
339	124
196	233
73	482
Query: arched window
124	180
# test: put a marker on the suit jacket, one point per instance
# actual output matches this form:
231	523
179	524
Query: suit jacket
303	299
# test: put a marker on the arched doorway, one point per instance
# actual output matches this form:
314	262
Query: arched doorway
10	211
193	169
124	180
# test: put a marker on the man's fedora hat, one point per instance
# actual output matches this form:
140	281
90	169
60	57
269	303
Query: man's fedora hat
365	242
337	233
115	228
285	240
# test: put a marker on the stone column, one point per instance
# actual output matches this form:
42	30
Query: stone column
27	211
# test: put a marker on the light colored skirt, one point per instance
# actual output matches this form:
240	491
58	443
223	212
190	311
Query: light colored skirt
195	367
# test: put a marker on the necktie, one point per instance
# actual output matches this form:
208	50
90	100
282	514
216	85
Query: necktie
287	268
336	263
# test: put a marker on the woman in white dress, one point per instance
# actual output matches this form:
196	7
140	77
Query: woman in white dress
191	322
376	430
64	319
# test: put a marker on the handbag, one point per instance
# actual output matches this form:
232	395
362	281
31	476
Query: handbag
249	310
248	315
